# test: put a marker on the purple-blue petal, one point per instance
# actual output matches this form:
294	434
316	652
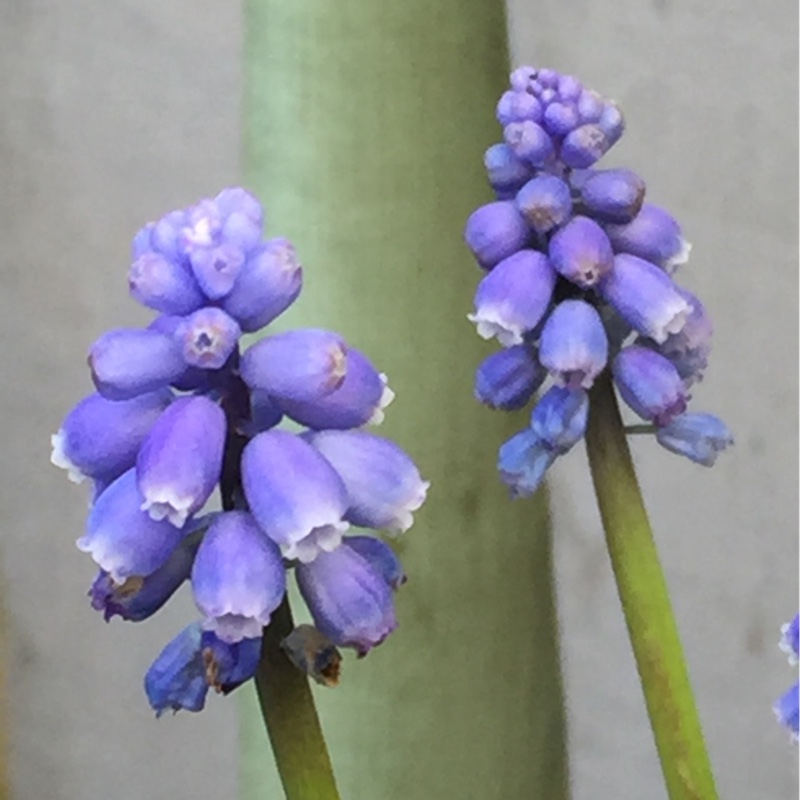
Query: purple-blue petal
269	282
100	438
127	362
545	202
512	298
508	378
177	678
180	462
383	484
649	384
523	461
581	252
349	600
217	268
496	231
613	195
122	539
699	437
301	365
228	665
573	344
238	577
295	495
380	556
559	418
208	338
163	285
360	400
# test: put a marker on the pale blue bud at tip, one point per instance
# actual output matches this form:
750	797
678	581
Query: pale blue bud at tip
216	268
581	252
545	202
177	678
236	199
229	664
180	462
516	106
295	495
560	118
507	379
100	438
569	88
383	484
201	228
573	344
496	231
238	577
268	283
208	338
314	654
613	195
523	461
505	171
612	123
360	400
350	602
300	365
382	558
699	437
645	297
512	298
590	106
584	146
127	362
530	142
122	539
139	598
163	285
787	711
790	640
654	235
559	418
649	384
165	236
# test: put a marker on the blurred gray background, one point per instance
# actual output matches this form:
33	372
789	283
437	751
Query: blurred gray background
111	113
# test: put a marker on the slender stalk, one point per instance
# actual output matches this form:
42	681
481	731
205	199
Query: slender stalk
645	602
287	704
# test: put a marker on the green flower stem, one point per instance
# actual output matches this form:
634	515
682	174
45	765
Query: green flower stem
287	706
645	602
284	695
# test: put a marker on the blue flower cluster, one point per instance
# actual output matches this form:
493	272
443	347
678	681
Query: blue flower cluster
179	413
787	709
578	277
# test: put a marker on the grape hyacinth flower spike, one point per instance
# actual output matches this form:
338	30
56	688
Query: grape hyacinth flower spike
182	413
579	291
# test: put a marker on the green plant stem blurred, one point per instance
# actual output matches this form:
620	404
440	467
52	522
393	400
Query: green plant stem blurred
646	604
287	706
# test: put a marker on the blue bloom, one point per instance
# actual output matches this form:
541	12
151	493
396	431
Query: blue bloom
545	202
613	195
574	345
581	252
229	664
100	438
295	494
301	366
122	539
699	437
177	678
649	384
350	601
496	231
380	556
609	298
180	462
383	484
653	235
513	297
508	378
128	362
208	338
139	598
238	578
164	285
359	400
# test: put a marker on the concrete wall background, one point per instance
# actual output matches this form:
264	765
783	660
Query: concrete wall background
111	113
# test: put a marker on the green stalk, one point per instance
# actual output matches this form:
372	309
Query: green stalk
645	602
287	706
